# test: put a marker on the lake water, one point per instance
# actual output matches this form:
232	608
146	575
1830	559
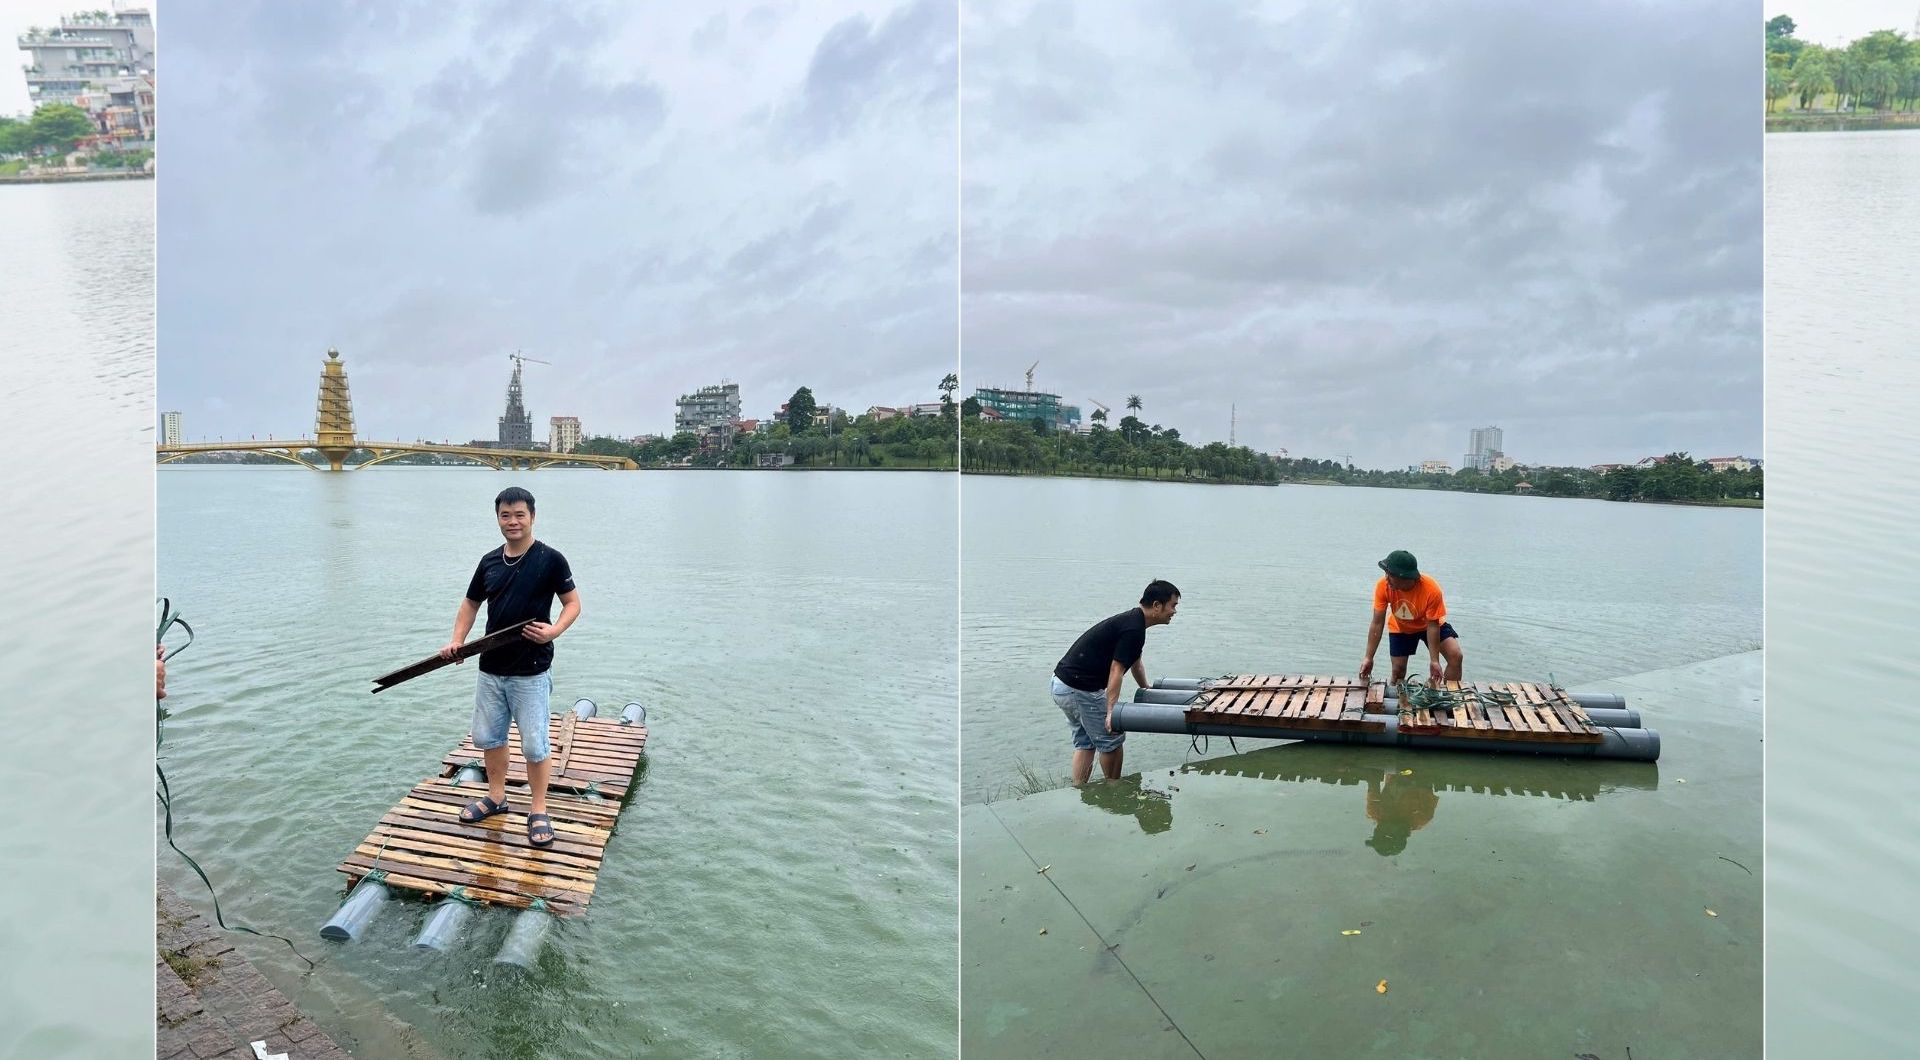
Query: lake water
1843	795
1226	901
783	882
1280	580
76	337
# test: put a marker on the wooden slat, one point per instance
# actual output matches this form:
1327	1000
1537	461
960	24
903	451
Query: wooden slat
563	900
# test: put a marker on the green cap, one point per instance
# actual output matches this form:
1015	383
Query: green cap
1401	564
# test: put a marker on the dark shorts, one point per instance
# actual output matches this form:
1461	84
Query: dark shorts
1401	645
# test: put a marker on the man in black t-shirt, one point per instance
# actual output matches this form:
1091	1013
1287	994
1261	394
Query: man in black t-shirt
516	581
1086	682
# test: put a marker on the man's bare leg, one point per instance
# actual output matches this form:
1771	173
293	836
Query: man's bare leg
496	758
1082	766
538	774
1450	649
1110	762
1400	668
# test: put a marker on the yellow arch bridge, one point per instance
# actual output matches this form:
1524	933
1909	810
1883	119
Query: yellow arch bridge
304	451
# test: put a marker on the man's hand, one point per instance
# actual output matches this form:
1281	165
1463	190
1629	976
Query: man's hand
1366	668
448	651
538	632
1434	674
159	671
1109	719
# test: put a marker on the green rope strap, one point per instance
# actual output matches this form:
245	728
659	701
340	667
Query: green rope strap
461	894
1416	695
538	903
374	876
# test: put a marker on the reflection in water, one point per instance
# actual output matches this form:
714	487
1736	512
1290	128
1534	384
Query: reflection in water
1398	805
1128	797
1403	796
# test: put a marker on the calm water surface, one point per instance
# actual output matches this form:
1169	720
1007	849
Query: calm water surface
783	883
1843	797
76	341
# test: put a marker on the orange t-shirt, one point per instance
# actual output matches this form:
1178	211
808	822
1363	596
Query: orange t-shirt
1410	611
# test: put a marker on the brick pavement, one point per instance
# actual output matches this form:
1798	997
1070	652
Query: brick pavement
222	1004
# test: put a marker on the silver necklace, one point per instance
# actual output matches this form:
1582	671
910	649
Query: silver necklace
512	562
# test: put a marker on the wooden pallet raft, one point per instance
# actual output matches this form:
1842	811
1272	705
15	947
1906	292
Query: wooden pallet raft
1286	701
423	846
1539	714
597	754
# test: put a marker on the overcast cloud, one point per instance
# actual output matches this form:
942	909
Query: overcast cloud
652	196
1373	226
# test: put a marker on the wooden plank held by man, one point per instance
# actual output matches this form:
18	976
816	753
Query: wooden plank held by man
435	662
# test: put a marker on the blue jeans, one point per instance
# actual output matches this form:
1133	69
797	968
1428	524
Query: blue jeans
521	700
1087	716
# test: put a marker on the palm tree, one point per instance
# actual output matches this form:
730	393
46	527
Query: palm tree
1100	416
1133	402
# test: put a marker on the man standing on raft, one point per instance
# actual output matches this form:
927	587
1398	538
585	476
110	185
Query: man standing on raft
517	581
1410	606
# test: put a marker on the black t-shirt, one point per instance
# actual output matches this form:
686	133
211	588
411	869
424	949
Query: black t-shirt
1119	639
515	590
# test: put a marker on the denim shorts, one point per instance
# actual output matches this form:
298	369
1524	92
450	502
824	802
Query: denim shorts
522	700
1087	716
1403	645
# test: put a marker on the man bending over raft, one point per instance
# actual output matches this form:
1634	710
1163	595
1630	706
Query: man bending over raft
517	581
1086	683
1410	606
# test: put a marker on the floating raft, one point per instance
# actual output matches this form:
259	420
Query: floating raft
423	847
1515	718
1292	701
1537	713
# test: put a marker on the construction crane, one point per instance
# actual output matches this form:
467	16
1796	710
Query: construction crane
1030	369
519	360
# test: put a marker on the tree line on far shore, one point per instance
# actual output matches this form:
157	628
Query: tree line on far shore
1879	72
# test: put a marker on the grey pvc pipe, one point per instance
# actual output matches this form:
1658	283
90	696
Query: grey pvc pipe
633	714
470	774
1587	700
1622	718
583	708
1635	745
443	926
529	931
358	911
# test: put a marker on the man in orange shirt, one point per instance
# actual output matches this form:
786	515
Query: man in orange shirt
1409	606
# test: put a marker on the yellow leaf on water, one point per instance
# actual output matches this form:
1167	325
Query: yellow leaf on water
1406	772
1352	931
1043	931
1381	988
1712	913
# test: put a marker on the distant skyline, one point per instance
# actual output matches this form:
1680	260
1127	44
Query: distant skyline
1372	227
652	197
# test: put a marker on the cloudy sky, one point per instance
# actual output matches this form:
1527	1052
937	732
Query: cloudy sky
1373	226
1839	21
652	196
